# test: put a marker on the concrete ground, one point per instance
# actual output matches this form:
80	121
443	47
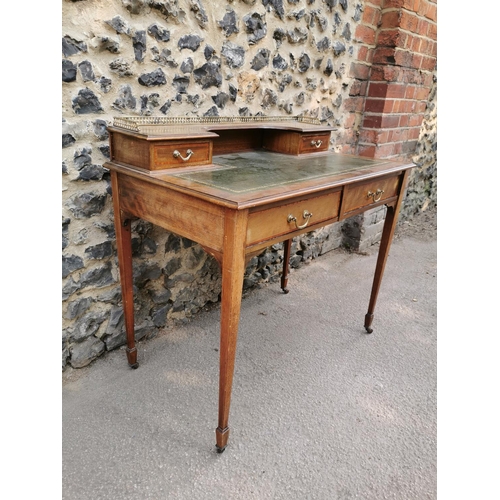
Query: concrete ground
320	410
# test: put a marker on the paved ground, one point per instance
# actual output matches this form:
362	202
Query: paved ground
320	410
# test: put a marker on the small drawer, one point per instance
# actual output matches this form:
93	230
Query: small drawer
271	223
370	193
311	143
180	154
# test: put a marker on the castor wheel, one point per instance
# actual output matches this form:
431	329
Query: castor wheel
285	290
134	366
219	449
369	329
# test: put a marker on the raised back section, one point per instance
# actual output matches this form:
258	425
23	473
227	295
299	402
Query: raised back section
155	144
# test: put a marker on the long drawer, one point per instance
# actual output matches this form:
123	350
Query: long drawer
364	194
294	217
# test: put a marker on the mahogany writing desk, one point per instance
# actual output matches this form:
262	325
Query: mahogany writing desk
237	186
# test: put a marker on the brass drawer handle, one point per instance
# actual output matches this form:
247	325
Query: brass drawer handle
317	143
306	214
375	196
178	155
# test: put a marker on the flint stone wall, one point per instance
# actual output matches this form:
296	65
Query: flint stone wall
184	58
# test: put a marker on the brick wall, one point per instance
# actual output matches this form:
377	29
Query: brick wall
393	76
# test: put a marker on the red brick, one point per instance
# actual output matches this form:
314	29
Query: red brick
348	149
415	120
372	121
385	73
398	135
431	12
428	80
416	5
385	151
412	75
369	55
433	49
415	45
367	151
354	104
362	51
414	133
410	91
389	121
365	34
390	19
405	106
382	136
384	55
395	4
432	31
423	27
397	149
368	136
409	106
416	61
359	71
403	58
396	90
391	38
371	15
379	105
409	21
358	88
422	93
428	63
376	3
404	120
396	106
420	106
426	46
378	89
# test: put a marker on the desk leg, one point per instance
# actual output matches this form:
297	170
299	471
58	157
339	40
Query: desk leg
391	220
124	249
233	269
287	246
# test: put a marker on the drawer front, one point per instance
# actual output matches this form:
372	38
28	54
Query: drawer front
273	222
180	154
311	143
370	193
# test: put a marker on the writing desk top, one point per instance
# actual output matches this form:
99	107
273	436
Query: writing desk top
246	179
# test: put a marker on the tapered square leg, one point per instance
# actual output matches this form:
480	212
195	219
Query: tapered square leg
287	246
233	268
391	219
124	250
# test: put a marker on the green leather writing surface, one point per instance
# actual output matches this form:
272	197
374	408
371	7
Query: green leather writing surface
257	170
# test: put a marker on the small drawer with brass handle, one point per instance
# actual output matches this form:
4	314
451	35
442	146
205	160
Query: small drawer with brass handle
367	193
314	142
170	154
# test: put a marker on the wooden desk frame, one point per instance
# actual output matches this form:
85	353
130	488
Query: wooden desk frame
239	228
